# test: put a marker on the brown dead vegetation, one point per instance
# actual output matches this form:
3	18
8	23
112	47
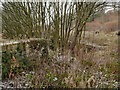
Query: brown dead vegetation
108	22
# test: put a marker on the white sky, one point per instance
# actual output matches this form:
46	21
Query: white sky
0	4
107	8
61	0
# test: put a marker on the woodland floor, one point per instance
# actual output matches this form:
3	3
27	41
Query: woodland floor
97	65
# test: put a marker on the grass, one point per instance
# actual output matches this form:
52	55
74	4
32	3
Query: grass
78	71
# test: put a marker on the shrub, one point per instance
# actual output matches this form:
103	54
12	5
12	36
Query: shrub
39	45
7	61
111	26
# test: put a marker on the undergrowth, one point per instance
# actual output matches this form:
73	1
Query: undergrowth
45	68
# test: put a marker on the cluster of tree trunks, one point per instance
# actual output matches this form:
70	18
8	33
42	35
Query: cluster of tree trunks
57	21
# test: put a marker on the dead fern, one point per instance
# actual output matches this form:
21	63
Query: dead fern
15	64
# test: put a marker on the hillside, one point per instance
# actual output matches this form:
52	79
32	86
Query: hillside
107	22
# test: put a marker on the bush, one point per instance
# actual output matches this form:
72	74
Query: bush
111	26
40	45
7	61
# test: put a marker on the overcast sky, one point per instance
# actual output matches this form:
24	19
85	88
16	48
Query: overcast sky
107	8
0	4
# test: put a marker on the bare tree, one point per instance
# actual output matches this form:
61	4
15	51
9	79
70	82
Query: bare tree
61	20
